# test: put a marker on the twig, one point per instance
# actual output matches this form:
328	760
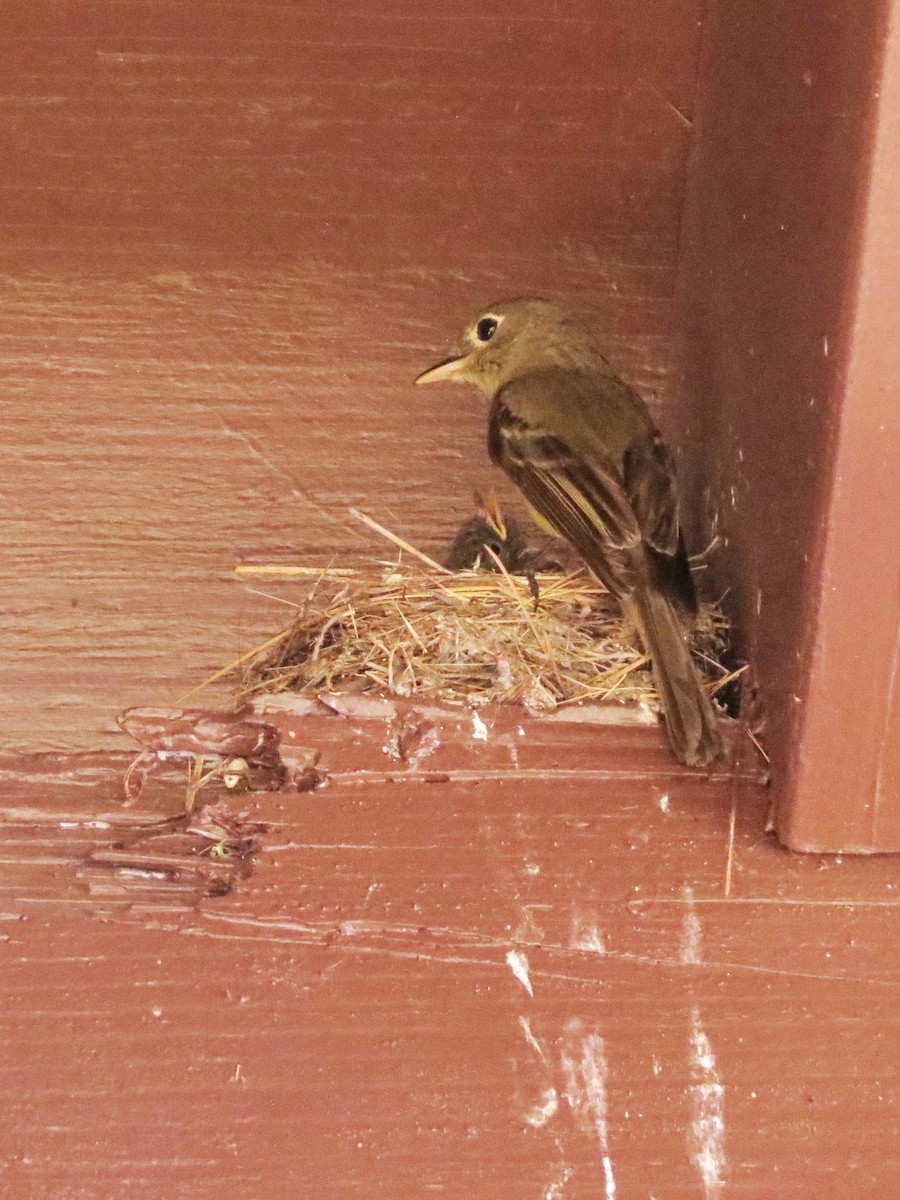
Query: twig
728	865
283	571
758	746
238	662
398	541
277	599
720	683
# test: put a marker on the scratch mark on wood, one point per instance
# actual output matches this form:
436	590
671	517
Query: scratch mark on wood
328	517
706	1139
319	934
685	121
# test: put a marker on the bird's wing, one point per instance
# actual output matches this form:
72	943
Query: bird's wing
648	473
649	476
584	501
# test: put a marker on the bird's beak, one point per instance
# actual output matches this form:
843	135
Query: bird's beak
453	369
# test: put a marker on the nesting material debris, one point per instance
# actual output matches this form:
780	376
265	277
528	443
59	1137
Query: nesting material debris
468	636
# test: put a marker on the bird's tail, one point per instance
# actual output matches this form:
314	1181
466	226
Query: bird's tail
690	716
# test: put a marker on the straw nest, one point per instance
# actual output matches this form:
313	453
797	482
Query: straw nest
468	636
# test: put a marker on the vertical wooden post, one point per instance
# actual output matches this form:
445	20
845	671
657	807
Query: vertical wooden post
789	386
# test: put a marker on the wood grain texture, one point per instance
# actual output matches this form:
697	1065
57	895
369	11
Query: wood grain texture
565	979
232	236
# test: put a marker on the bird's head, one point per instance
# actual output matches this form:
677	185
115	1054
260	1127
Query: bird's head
508	339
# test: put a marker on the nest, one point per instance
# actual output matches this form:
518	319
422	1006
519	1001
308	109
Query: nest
467	636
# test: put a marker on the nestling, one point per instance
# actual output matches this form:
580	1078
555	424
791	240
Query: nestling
581	446
489	529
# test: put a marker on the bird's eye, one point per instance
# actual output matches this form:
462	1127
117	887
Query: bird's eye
486	328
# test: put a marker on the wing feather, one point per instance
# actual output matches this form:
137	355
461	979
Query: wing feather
584	502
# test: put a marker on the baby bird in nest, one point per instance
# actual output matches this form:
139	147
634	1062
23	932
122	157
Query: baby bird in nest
488	533
488	530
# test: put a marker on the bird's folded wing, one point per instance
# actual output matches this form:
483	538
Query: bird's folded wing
649	477
584	501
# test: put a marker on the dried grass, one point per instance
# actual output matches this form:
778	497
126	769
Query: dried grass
465	636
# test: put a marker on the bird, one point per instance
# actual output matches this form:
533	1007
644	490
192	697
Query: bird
489	529
581	446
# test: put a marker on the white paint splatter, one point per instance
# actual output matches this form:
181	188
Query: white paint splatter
585	1069
531	1039
706	1138
691	933
664	802
479	729
608	1178
545	1111
518	964
589	938
555	1190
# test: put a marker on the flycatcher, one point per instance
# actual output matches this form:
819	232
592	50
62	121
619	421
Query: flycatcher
581	446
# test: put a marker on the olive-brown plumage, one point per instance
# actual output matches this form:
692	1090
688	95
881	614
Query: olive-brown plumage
583	449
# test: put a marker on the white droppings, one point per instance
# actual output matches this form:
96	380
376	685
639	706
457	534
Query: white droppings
588	938
479	729
706	1138
608	1178
555	1190
531	1039
825	346
691	933
664	802
518	964
540	1114
585	1070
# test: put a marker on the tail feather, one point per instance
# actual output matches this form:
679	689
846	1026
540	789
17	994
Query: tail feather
690	716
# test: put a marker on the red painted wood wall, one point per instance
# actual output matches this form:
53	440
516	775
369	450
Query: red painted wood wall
231	237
